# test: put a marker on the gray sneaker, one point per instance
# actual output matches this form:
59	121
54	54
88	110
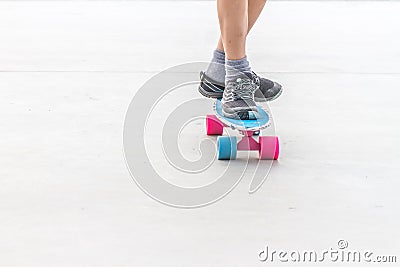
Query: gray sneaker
267	90
238	99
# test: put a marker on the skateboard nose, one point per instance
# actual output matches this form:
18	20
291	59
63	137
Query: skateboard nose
248	115
253	115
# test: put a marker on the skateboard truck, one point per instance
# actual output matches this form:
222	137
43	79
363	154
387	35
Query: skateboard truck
227	146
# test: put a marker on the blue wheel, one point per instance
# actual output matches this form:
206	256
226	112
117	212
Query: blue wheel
226	147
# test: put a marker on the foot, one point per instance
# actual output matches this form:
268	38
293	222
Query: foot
266	90
238	99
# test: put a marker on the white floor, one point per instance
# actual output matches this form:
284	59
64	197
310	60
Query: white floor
68	71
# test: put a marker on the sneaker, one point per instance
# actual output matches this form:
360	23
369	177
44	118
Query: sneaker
238	99
266	90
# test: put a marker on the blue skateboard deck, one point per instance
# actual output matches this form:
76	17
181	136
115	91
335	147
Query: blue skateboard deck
262	122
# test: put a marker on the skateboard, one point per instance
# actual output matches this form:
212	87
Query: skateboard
227	146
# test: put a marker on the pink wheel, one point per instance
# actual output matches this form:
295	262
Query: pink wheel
213	125
269	147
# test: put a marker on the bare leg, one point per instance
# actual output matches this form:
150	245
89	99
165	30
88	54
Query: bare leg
233	22
254	10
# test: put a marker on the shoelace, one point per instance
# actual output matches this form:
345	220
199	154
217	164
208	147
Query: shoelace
244	90
256	79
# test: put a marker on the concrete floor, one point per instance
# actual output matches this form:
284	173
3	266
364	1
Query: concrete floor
68	71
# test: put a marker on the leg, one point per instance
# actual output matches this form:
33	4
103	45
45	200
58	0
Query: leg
238	97
233	21
254	10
